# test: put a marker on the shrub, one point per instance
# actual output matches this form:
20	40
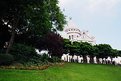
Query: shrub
44	58
28	56
54	59
23	53
6	59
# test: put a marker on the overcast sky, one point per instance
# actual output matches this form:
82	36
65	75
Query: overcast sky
102	18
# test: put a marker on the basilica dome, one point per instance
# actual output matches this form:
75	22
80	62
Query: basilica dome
73	33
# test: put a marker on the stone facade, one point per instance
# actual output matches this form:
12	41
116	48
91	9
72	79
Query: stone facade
73	33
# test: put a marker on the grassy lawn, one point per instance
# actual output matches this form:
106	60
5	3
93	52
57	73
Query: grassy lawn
67	72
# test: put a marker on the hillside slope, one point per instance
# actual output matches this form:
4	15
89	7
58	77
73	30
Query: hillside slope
67	72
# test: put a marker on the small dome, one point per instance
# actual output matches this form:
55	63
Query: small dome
73	33
71	27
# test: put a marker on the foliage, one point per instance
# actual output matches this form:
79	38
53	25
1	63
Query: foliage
85	48
4	34
104	50
27	56
30	18
71	47
114	53
6	59
119	52
66	45
55	59
44	57
13	16
23	53
74	48
53	42
95	51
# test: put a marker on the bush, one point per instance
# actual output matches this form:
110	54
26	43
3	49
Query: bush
44	58
23	53
54	59
27	55
6	59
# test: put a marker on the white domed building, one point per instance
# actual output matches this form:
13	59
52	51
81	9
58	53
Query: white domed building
73	33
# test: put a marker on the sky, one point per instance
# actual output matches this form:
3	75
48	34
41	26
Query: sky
102	18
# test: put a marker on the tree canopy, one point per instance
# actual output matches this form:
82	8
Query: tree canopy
30	18
85	48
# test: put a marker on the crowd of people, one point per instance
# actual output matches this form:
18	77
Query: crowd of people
95	60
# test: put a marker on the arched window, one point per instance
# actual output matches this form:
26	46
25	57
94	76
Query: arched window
69	37
72	36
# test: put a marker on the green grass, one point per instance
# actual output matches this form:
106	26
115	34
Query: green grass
67	72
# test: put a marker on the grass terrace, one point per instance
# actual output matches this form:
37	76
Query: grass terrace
66	72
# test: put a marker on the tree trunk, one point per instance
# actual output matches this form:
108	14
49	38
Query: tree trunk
11	41
91	59
84	59
12	36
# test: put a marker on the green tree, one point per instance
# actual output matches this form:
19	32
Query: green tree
13	16
119	52
71	47
86	49
104	50
95	51
31	17
114	53
75	48
66	46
